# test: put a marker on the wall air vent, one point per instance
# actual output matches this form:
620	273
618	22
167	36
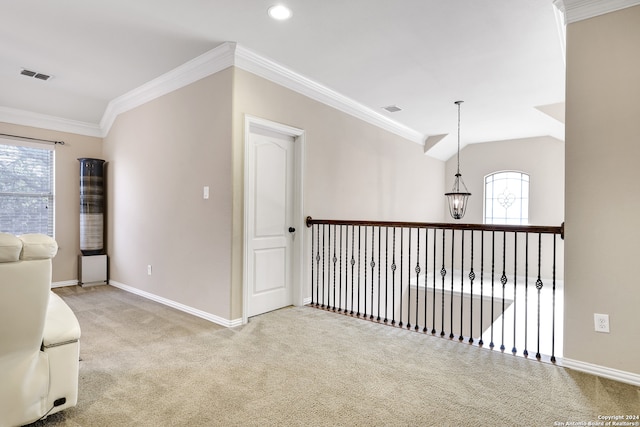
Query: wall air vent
392	108
35	74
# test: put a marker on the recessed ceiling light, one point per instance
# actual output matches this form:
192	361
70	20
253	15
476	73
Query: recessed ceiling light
280	12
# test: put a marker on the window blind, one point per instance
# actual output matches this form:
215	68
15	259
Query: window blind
26	190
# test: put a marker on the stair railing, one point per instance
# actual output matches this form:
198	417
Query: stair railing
487	285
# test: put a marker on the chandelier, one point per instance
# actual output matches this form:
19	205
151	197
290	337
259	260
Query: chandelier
459	195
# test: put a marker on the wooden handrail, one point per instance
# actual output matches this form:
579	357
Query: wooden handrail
444	225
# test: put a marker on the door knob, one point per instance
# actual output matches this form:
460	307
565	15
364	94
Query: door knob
291	229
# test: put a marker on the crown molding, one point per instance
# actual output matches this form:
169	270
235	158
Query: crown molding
578	10
36	120
198	68
272	71
231	54
225	55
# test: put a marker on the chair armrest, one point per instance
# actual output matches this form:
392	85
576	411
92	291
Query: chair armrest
61	325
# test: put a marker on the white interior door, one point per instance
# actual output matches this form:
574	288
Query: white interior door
269	220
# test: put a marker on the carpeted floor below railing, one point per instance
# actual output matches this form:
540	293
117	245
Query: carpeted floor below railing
145	364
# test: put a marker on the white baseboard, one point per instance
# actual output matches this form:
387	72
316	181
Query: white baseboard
63	284
602	371
178	306
306	301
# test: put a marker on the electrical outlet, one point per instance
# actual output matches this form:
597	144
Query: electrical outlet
601	322
149	269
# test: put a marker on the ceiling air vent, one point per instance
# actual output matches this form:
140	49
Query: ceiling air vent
392	108
35	74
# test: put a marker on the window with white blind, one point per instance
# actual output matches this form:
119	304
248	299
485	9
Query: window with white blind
26	189
506	198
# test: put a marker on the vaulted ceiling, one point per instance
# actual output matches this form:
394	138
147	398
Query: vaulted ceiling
504	58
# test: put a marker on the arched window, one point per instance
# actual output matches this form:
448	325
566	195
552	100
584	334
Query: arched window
506	198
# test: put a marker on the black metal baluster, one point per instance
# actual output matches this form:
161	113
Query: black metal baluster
373	266
353	263
481	342
416	327
348	261
426	274
335	262
514	350
453	241
340	306
409	283
443	273
503	280
393	281
364	290
318	266
379	265
323	267
386	273
472	276
460	338
553	305
365	271
539	286
493	262
433	308
401	270
526	293
313	245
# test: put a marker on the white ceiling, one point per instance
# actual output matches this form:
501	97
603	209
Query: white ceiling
504	58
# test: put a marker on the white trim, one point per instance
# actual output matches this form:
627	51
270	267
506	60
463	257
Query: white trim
602	371
27	118
558	13
64	283
198	68
270	70
178	306
578	10
225	55
298	221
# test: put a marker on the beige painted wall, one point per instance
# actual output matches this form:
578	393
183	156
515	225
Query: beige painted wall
161	155
67	192
542	158
602	200
353	170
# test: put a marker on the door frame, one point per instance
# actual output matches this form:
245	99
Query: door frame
297	273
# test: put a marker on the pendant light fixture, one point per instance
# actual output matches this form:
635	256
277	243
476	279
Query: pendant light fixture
459	195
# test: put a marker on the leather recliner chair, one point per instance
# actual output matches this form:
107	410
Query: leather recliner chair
39	334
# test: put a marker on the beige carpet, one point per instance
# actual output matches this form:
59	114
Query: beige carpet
144	364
